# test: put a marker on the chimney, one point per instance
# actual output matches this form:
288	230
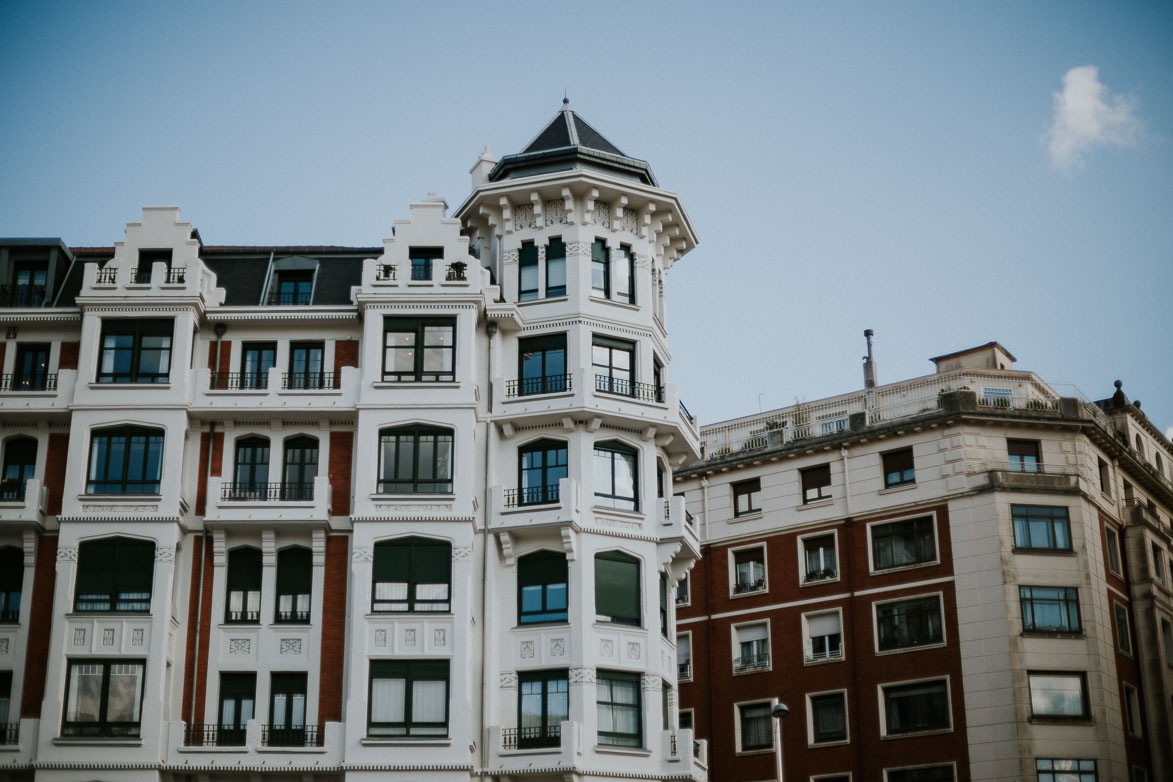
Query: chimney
480	171
869	365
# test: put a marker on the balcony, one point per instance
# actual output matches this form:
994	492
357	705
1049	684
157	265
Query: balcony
684	670
513	749
678	524
534	386
23	502
254	744
1142	513
214	736
9	734
238	381
230	501
749	587
277	389
303	736
753	662
41	381
531	495
645	392
1020	476
308	381
22	295
532	738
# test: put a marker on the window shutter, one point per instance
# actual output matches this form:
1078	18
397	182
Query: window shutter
823	624
749	633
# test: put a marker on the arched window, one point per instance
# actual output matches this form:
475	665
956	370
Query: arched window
243	605
540	465
1140	446
11	584
20	463
295	578
617	590
412	575
125	460
1159	464
541	587
301	467
114	574
616	476
415	460
252	468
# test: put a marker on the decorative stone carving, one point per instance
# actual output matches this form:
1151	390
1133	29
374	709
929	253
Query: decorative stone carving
290	646
240	646
650	682
108	636
523	216
164	553
642	260
527	650
510	256
461	553
633	650
79	636
136	637
409	637
631	221
581	676
439	637
555	212
578	249
3	646
67	554
380	638
508	680
402	509
558	647
363	554
606	648
607	521
603	214
120	509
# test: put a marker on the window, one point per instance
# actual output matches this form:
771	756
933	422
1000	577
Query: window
747	497
1139	446
307	367
1064	770
916	707
620	710
415	460
555	268
685	719
1131	710
664	604
624	275
939	773
287	711
146	261
819	558
684	656
749	570
828	717
540	466
600	270
252	469
905	624
421	261
1158	563
543	703
237	707
6	728
1050	609
301	467
243	605
1113	547
1024	455
616	476
1167	640
28	282
20	465
419	349
293	287
528	272
408	698
256	359
753	647
295	577
11	584
617	588
135	351
898	468
1123	636
754	726
1041	527
103	699
816	483
542	587
114	574
412	575
682	591
31	372
614	365
903	543
824	635
1105	477
1058	695
542	365
125	461
1139	774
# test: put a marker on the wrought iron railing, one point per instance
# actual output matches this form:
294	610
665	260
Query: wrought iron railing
820	575
829	653
38	381
267	492
10	614
289	298
140	276
107	275
753	662
645	392
176	275
239	381
684	670
307	381
243	617
673	749
1027	467
22	295
293	617
12	490
531	495
9	733
531	738
385	272
213	736
303	736
531	386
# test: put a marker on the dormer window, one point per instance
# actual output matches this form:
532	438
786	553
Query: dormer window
28	285
293	287
146	259
422	260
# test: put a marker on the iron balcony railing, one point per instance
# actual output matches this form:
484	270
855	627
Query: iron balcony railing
829	653
303	736
38	381
267	492
10	614
307	381
820	575
213	736
531	495
140	276
385	272
239	381
753	662
531	738
745	587
673	749
421	269
177	275
456	272
106	276
12	490
532	386
289	298
9	733
684	670
22	295
645	392
243	618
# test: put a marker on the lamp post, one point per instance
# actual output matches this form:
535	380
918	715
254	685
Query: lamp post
778	710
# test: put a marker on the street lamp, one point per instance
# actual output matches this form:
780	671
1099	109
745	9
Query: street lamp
778	710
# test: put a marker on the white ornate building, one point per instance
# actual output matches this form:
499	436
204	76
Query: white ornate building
325	513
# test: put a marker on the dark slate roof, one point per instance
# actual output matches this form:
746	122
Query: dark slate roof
569	142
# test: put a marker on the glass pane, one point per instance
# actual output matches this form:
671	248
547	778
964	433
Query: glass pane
387	700
428	701
123	700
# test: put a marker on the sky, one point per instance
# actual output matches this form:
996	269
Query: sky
946	174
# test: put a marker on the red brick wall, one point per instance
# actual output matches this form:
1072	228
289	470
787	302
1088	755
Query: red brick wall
195	678
202	476
40	623
55	460
333	629
225	356
341	452
68	359
217	454
345	355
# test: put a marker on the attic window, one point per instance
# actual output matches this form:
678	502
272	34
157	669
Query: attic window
294	287
146	259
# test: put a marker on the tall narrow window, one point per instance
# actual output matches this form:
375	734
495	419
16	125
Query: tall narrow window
613	361
1158	563
541	587
542	365
301	467
256	359
753	648
20	465
295	578
135	351
664	605
11	585
755	726
408	698
600	270
899	469
306	366
1113	547
624	275
412	575
828	717
8	730
903	543
1123	632
749	570
419	350
555	268
1105	477
114	574
619	709
415	460
1024	455
820	560
146	261
243	604
125	461
528	272
28	283
616	476
252	468
237	707
541	465
684	656
31	372
617	588
824	636
816	483
909	623
287	710
103	699
543	703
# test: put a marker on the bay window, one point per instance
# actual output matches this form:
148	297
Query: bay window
135	351
103	699
114	575
419	349
541	587
412	575
616	476
415	460
617	588
126	460
903	543
620	709
408	698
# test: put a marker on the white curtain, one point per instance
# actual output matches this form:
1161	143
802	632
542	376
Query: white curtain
388	698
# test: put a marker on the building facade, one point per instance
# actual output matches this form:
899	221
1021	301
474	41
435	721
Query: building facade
326	513
963	576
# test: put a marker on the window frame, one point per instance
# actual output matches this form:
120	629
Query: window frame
413	670
1133	719
537	559
105	729
738	722
261	356
125	584
21	463
232	689
612	381
243	576
629	619
756	664
811	733
296	462
552	291
886	730
1023	512
1067	602
951	765
1123	635
411	543
600	263
125	436
751	490
252	446
137	329
1079	770
286	585
1083	716
547	382
872	526
1157	562
616	450
808	654
761	585
415	432
547	492
922	596
804	572
615	738
1112	548
1020	452
419	347
1166	630
545	737
905	476
11	584
527	259
808	475
682	634
624	257
686	583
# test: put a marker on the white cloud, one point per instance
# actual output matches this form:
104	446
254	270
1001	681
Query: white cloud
1088	115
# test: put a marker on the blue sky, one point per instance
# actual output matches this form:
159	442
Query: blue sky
893	166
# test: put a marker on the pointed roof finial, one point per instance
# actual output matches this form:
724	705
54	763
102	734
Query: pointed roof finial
565	98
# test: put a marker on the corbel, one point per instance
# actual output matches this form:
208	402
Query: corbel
507	430
646	221
505	540
539	221
506	215
568	423
568	201
595	423
617	213
665	440
568	543
649	433
588	210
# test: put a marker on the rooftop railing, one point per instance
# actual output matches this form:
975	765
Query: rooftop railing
38	381
22	295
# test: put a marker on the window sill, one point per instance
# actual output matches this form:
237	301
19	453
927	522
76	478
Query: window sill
750	593
618	512
750	752
906	649
413	497
811	661
397	614
292	750
160	386
915	733
821	744
603	624
1077	634
214	750
552	750
415	384
239	391
413	741
752	671
115	497
610	749
310	391
64	741
902	568
543	397
819	582
820	503
87	614
544	625
1046	552
614	303
753	514
1045	720
893	489
548	300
